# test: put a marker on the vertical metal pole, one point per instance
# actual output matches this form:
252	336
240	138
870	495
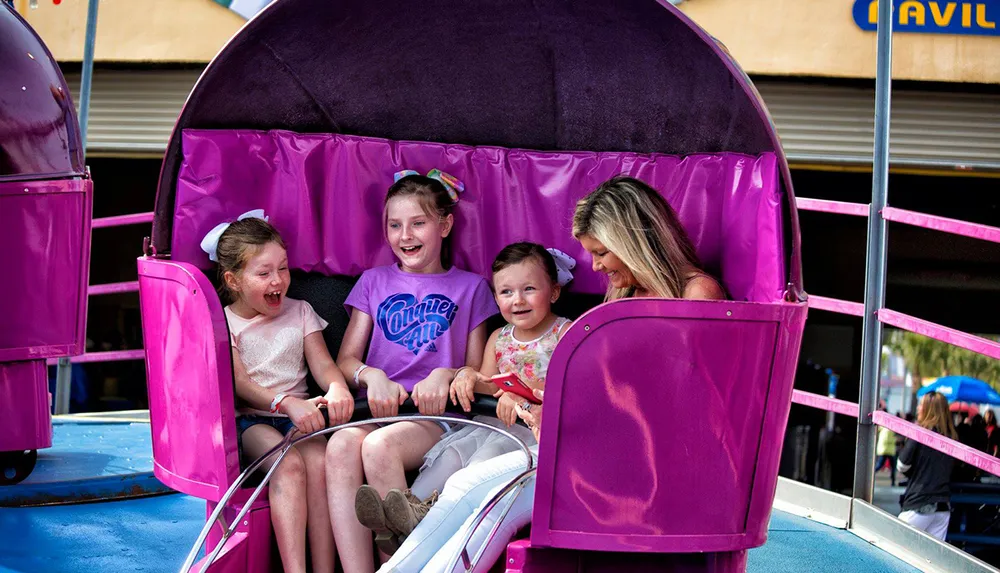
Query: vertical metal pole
63	378
64	369
88	70
864	462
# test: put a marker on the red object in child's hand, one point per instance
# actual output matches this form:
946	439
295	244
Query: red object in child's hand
511	383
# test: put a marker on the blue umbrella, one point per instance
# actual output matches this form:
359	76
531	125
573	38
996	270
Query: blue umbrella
963	389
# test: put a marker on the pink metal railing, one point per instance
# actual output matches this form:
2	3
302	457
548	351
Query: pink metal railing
954	337
834	405
122	220
108	356
951	336
961	452
113	288
838	207
836	305
943	224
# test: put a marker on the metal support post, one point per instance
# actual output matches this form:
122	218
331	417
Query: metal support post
875	263
63	375
63	372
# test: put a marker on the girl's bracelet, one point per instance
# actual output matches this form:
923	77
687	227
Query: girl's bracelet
357	374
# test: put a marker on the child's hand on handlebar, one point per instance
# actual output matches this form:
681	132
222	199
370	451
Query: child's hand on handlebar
462	390
339	404
506	411
384	395
430	395
304	414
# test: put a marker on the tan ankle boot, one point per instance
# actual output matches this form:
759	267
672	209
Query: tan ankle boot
403	510
369	509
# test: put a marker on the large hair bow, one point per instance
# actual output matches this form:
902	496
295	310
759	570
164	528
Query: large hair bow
210	244
451	183
564	266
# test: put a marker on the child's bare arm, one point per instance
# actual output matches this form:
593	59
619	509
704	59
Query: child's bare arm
247	390
468	381
321	364
384	395
352	348
339	400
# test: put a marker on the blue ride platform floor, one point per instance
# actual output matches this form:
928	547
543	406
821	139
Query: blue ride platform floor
89	461
112	460
797	544
154	534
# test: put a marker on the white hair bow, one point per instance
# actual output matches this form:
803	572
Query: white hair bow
564	266
210	244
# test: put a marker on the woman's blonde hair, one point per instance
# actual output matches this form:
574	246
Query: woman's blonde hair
934	415
636	224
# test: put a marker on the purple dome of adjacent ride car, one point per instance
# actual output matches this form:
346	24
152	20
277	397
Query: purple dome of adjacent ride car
39	132
587	75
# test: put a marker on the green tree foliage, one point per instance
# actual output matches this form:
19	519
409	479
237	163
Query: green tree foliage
928	358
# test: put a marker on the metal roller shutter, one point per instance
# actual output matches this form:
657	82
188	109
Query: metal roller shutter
134	111
834	124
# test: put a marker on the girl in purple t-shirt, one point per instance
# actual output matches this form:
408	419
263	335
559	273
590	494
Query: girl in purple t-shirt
420	323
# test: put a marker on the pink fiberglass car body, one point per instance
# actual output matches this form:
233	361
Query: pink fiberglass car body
664	418
45	210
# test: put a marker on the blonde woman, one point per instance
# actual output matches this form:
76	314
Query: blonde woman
636	239
925	501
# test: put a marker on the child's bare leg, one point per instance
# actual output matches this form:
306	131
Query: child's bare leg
286	495
389	452
319	529
344	475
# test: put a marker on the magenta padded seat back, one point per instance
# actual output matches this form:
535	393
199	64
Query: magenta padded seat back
663	426
189	379
325	193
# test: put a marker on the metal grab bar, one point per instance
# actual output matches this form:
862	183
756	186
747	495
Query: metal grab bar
515	484
283	447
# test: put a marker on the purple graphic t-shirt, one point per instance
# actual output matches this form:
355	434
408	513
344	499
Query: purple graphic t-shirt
422	322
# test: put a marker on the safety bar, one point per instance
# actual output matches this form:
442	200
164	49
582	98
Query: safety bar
281	449
516	486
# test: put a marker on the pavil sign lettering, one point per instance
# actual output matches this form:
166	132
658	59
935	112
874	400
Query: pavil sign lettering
922	16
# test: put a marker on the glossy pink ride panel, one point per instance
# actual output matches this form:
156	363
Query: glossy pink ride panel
24	406
190	383
45	255
663	426
325	193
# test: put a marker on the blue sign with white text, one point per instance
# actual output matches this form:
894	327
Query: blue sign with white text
976	18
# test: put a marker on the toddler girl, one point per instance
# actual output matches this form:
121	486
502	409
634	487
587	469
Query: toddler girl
526	282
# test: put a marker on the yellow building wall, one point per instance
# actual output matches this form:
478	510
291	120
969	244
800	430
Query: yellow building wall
771	37
134	30
820	38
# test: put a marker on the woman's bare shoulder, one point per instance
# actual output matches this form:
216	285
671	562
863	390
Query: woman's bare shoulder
704	287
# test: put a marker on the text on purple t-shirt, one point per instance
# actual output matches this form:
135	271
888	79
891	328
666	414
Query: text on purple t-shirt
422	322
